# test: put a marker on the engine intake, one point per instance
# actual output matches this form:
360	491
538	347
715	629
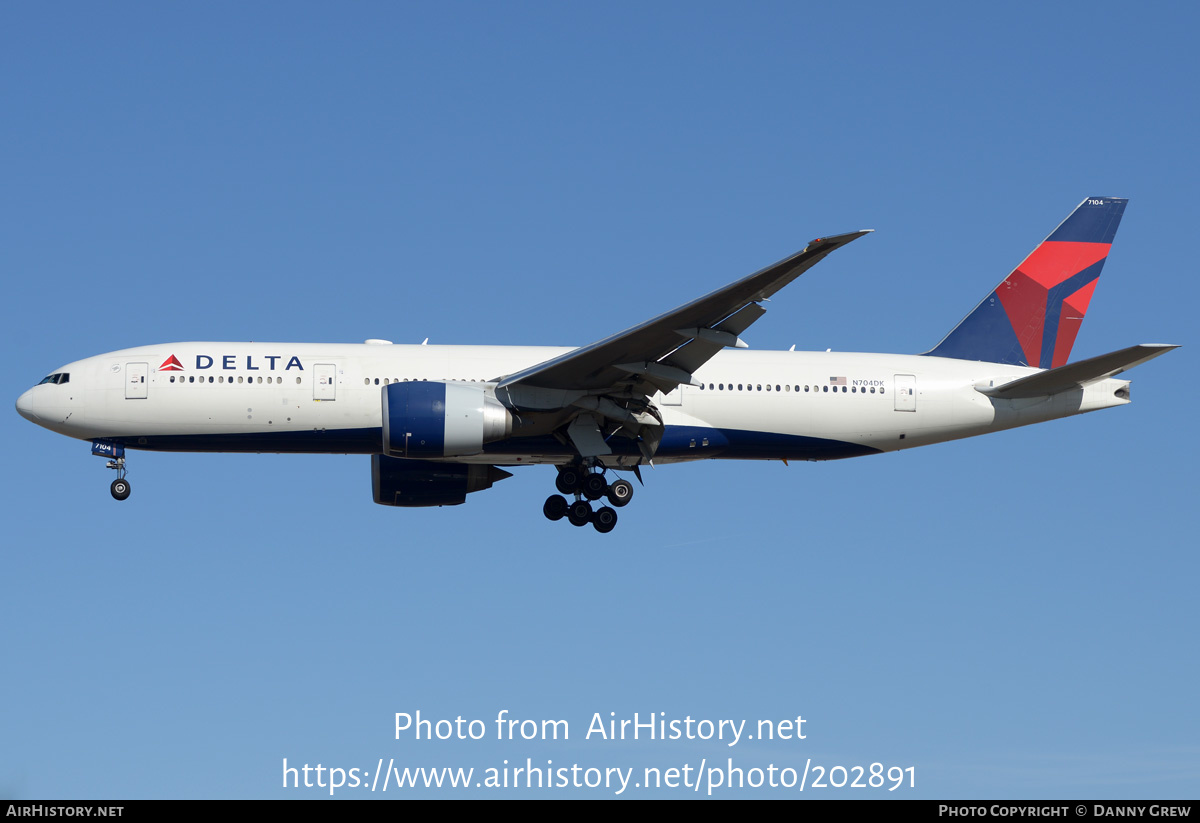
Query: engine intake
436	419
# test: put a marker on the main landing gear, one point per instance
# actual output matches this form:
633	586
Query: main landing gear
587	487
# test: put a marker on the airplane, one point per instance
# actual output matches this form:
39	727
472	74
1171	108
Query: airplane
442	422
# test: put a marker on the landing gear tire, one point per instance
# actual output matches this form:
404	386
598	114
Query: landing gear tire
594	486
555	507
120	489
620	493
579	513
604	520
568	480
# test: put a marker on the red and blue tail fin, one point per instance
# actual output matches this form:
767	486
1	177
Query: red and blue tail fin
1032	318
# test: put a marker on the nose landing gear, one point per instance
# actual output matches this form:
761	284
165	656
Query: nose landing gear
120	487
587	487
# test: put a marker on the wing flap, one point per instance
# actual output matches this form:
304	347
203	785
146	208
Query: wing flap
692	355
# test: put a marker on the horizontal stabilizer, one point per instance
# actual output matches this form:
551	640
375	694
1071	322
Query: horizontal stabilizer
1074	375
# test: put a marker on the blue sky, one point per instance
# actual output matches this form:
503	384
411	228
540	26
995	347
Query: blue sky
1013	616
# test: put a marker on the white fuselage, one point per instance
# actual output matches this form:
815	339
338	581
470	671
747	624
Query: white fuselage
305	397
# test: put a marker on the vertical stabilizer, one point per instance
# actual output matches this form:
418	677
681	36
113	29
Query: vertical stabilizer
1033	316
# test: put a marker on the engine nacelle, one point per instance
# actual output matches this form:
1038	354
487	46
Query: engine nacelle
412	483
435	419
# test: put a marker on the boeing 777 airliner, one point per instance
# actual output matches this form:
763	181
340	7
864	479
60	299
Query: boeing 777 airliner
440	421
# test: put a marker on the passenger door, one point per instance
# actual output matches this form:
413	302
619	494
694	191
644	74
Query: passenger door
906	392
324	381
136	375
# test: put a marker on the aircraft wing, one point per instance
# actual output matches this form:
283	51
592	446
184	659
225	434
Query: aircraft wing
666	350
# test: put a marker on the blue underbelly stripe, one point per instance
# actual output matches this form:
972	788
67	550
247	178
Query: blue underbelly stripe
678	441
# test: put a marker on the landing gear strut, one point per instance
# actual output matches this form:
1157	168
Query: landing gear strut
587	487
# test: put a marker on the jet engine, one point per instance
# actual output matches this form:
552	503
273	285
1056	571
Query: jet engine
436	419
413	483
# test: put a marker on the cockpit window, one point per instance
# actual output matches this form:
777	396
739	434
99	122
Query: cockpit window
61	377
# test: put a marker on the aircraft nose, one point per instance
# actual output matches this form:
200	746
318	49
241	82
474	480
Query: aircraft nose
25	406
